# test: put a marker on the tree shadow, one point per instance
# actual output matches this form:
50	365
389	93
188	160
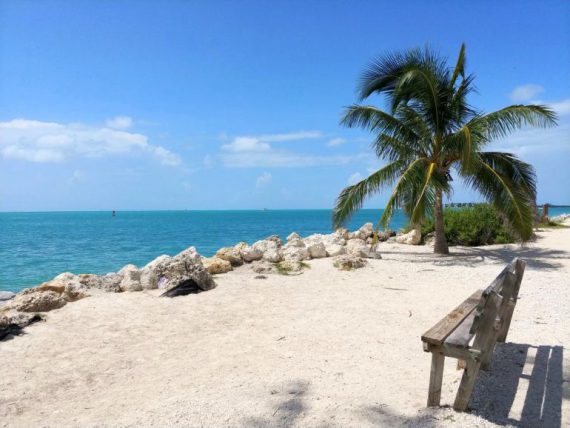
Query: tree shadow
287	410
495	393
537	258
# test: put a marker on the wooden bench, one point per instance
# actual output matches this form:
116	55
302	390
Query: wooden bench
470	332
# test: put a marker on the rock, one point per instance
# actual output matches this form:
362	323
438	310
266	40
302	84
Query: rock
335	250
293	237
342	232
270	250
215	265
349	262
12	322
188	286
413	237
295	243
262	266
290	267
172	271
366	231
276	239
430	239
317	250
385	235
231	254
273	255
36	300
357	247
295	253
250	254
6	295
131	278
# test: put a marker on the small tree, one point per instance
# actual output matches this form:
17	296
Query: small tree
431	129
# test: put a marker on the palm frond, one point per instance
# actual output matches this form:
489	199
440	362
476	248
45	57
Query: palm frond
352	197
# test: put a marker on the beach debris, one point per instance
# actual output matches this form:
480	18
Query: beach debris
260	277
349	262
413	237
230	254
188	286
215	265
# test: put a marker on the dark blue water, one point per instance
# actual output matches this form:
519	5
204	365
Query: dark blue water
35	247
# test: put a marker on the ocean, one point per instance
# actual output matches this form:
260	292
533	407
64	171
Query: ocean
35	247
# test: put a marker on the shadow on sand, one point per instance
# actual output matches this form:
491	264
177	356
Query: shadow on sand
537	258
524	387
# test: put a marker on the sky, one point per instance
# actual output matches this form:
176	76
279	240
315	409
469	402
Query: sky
144	105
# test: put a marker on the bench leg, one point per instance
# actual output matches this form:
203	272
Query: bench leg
435	378
486	360
466	386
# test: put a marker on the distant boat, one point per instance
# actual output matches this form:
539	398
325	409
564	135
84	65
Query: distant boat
265	209
114	213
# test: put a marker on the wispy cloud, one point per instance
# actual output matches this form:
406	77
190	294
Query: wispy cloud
354	178
257	151
534	140
37	141
561	107
336	142
525	92
120	122
263	180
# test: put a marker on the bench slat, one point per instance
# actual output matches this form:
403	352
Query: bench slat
439	332
462	335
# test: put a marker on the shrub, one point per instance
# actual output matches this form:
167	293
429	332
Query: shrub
472	226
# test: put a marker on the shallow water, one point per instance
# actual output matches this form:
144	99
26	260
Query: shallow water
35	247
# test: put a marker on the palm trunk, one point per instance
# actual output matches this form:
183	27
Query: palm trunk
440	246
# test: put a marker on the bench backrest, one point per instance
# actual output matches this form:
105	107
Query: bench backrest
495	308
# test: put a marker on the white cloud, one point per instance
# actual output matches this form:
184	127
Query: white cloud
120	122
263	180
336	142
534	140
355	178
37	141
256	151
525	92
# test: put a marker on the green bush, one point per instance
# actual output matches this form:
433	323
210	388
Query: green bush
472	226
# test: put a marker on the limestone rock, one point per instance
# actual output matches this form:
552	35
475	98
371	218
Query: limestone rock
293	237
35	300
270	250
250	254
413	237
295	253
131	278
317	250
366	231
276	239
357	247
12	322
215	265
262	266
342	232
273	255
335	250
349	262
172	271
231	254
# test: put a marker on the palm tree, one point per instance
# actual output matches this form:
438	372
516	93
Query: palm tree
429	130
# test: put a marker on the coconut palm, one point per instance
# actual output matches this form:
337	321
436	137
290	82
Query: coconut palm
428	130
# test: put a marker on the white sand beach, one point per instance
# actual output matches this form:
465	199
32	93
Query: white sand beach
325	348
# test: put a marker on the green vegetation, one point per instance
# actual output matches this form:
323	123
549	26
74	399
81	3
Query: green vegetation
478	225
430	130
287	267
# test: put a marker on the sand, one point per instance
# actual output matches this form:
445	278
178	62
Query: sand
326	348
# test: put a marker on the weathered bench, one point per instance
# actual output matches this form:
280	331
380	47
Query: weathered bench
470	332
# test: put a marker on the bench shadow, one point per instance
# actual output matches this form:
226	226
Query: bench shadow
508	394
287	410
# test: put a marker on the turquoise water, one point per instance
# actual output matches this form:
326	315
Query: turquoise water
35	247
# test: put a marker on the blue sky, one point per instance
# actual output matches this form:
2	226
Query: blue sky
235	105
